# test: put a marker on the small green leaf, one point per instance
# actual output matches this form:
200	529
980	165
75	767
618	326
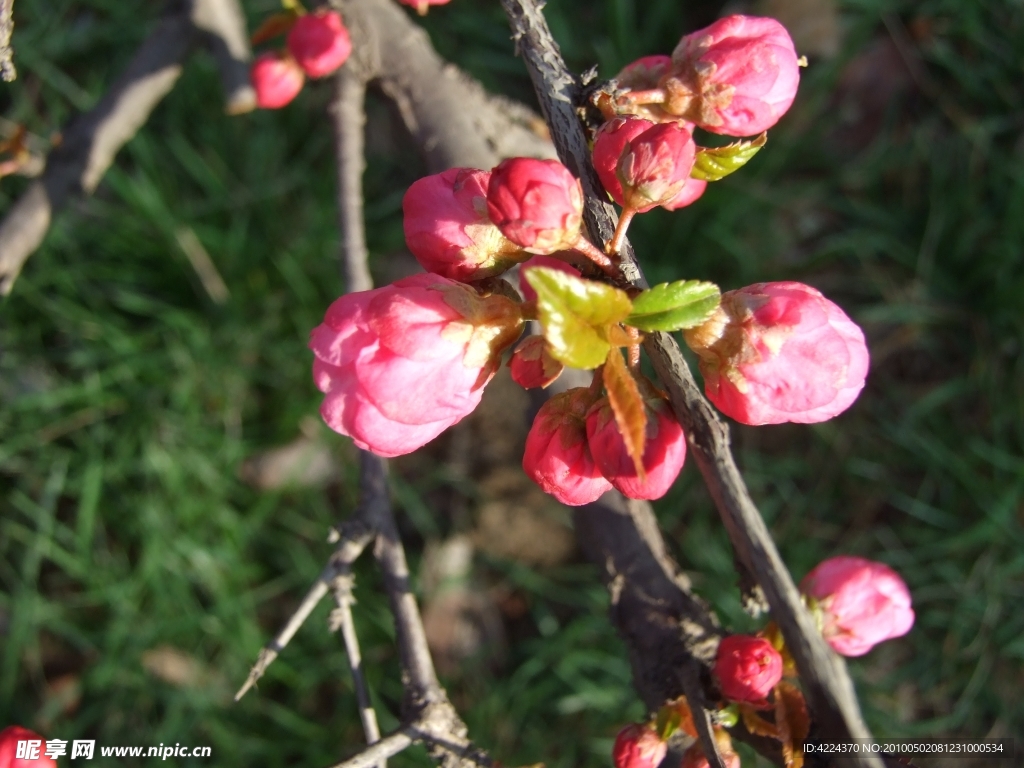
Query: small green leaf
674	306
714	163
576	314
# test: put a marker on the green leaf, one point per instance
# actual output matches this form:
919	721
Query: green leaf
628	407
575	315
714	163
674	306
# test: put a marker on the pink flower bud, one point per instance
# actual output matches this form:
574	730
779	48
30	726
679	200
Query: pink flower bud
655	166
694	189
609	144
537	204
401	364
644	164
319	42
638	746
9	738
421	6
532	365
447	229
747	668
276	78
557	457
737	76
542	261
664	451
863	603
780	352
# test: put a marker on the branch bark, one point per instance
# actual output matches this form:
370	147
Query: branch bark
93	138
830	692
221	25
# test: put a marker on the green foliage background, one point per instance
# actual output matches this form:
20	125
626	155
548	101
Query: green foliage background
128	399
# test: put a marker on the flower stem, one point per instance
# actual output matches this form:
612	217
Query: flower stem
651	96
592	252
615	244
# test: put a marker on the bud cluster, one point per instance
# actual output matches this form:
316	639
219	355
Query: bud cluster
575	451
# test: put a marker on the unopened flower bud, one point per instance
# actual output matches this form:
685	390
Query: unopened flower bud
557	457
655	166
537	204
862	602
447	228
33	744
664	451
780	352
319	42
398	365
747	668
532	365
737	76
542	261
609	144
276	78
638	746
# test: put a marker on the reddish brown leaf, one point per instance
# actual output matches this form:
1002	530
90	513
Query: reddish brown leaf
756	724
620	337
628	407
273	26
793	722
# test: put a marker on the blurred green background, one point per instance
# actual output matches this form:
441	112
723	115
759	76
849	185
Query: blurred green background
146	555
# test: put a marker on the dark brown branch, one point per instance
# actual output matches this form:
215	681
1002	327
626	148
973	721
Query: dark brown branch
7	71
830	692
222	27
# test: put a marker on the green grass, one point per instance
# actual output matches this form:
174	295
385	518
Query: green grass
129	398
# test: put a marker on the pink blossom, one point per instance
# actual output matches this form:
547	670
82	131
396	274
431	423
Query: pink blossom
421	6
747	668
780	352
691	192
542	261
557	457
276	78
737	76
537	204
447	228
9	738
664	451
638	746
319	42
643	164
655	166
401	364
532	365
863	603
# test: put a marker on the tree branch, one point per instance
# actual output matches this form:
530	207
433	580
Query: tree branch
92	139
7	70
355	535
830	691
221	24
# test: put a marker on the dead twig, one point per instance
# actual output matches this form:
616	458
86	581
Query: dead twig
355	536
221	24
7	70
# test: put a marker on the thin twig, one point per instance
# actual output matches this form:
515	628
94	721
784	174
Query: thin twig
831	695
341	618
7	70
354	539
349	122
387	747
